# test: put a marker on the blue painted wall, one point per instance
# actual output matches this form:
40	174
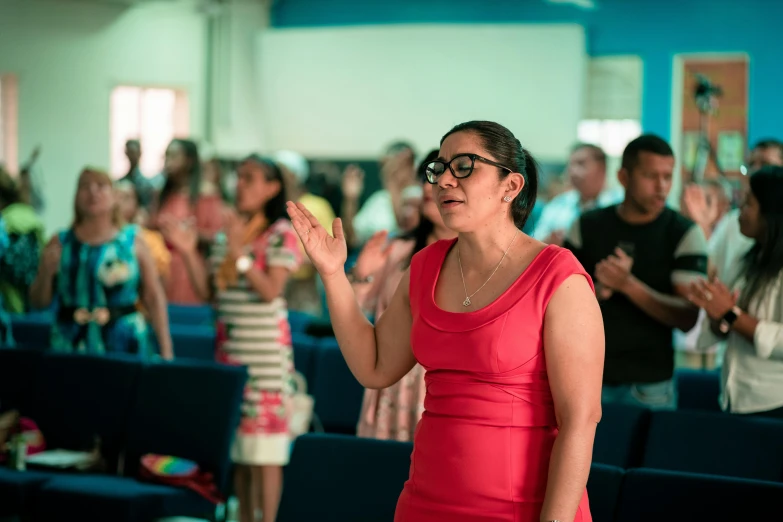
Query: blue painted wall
656	30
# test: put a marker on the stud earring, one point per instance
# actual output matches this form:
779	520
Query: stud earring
507	199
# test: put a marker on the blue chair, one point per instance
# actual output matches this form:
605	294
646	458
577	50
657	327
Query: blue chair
32	330
185	409
338	395
698	390
81	398
603	489
715	444
299	321
191	315
656	495
305	350
193	341
621	435
18	376
337	478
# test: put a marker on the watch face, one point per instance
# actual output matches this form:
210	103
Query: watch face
243	264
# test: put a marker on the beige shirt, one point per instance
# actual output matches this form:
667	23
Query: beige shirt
752	372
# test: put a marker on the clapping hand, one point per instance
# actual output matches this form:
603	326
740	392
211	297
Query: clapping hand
712	296
51	257
327	253
614	272
373	256
181	235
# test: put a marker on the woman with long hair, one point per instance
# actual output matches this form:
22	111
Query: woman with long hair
508	331
394	412
181	202
745	306
248	268
96	272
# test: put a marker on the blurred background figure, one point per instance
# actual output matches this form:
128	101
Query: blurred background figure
145	187
96	272
303	292
587	175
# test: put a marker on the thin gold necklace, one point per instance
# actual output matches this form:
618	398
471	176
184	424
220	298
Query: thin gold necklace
467	301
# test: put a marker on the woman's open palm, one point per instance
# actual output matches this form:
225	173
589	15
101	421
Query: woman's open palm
328	254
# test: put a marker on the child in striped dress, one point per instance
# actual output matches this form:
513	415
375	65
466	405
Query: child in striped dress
249	265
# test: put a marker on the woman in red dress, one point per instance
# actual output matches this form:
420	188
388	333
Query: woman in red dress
510	335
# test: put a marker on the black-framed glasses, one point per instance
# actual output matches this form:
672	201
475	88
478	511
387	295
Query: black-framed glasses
461	166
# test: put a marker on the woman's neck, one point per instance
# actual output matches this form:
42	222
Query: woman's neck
481	250
95	230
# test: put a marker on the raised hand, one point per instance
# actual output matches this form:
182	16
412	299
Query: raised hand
353	182
235	232
373	256
181	235
327	253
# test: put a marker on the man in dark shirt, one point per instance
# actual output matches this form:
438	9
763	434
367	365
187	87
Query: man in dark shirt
145	188
642	256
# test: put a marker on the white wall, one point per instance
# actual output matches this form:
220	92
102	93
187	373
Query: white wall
68	55
349	91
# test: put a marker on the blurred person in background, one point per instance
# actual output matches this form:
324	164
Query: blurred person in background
145	188
96	272
393	413
642	256
705	204
383	210
250	262
587	175
182	203
132	213
745	305
728	244
22	237
302	292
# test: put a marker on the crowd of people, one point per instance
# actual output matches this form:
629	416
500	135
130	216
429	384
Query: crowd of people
469	304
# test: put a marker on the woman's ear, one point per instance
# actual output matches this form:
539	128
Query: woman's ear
514	183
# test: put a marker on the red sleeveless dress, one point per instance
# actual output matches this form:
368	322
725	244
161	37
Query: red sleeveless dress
481	450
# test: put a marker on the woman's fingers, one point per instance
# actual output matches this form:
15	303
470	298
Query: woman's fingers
308	215
337	229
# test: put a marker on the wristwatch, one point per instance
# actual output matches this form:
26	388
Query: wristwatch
728	320
244	263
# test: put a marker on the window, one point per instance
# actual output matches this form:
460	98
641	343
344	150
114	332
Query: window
610	135
8	123
154	116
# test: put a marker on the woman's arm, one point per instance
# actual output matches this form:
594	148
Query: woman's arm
42	289
574	348
269	284
377	356
154	299
198	273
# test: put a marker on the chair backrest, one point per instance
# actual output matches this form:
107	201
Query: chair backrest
193	341
32	330
603	489
338	477
715	444
187	409
79	398
698	390
621	435
305	350
18	376
191	315
656	495
338	395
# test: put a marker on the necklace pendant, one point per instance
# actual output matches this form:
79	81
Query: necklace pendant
466	302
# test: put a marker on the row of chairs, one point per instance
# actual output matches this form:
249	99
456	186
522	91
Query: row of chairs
349	479
690	441
187	409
